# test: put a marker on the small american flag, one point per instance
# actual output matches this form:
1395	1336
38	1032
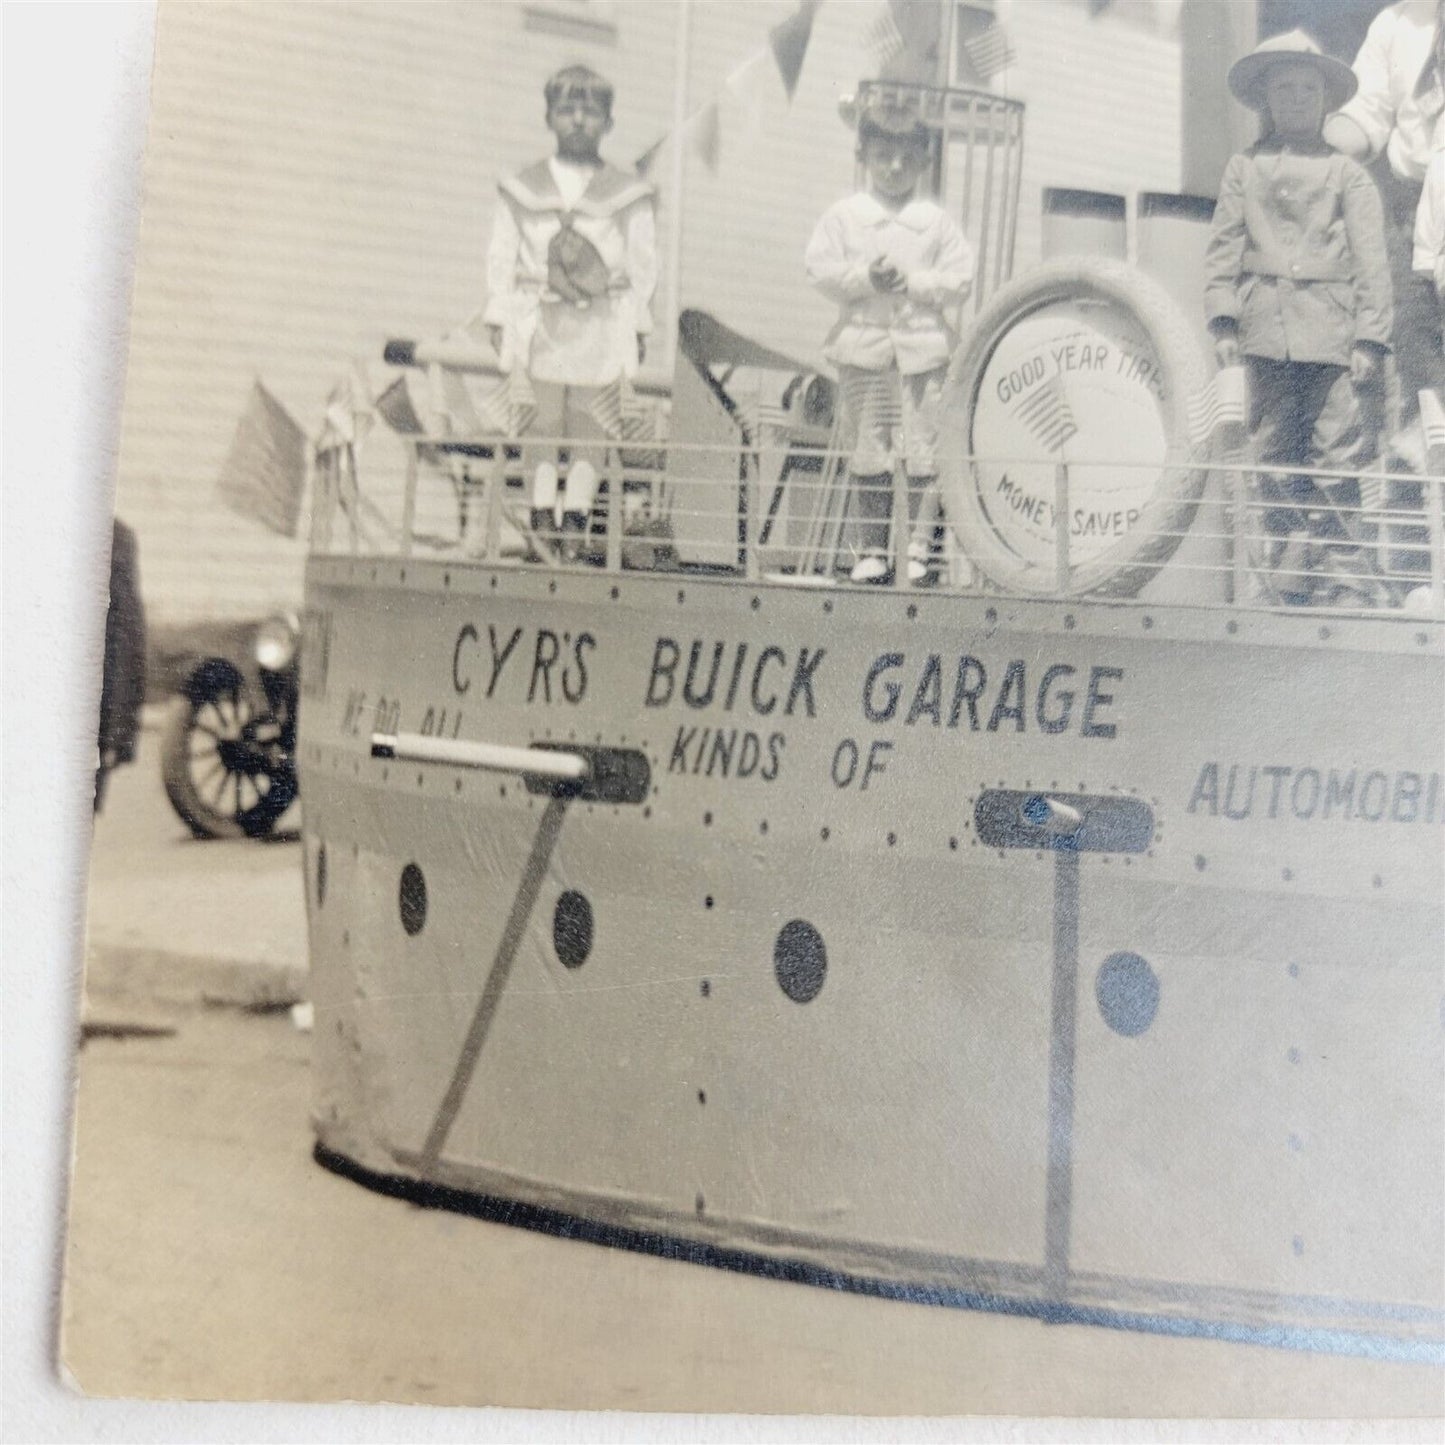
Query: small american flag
883	37
873	398
1218	407
622	414
991	51
509	408
1045	412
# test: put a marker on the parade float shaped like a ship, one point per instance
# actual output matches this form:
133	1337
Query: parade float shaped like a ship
1061	939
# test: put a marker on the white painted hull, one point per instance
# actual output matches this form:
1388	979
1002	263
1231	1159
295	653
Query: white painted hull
955	1112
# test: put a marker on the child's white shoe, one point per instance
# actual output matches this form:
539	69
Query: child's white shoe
919	555
871	567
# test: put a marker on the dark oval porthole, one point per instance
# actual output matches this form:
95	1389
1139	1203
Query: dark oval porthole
1128	993
800	961
321	875
572	929
412	899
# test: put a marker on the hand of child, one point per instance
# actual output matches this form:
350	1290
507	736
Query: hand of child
885	276
1364	366
494	336
1226	350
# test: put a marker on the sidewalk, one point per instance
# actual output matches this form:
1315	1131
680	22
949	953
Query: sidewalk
177	920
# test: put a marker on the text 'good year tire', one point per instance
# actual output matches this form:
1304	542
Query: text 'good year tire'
1122	567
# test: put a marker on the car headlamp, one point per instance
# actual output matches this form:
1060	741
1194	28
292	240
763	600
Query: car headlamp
276	643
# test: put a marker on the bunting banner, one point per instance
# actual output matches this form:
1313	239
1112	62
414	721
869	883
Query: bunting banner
789	42
264	473
788	45
744	91
644	163
706	128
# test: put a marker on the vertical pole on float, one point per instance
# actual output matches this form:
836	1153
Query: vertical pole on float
1059	1189
408	501
901	528
1434	486
1061	527
682	54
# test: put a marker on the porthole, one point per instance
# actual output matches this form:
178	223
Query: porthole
1127	990
411	899
800	961
572	929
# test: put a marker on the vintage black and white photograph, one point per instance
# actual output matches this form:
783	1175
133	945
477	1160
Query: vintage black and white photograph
772	734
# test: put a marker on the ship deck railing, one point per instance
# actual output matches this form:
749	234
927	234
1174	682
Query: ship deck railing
1270	538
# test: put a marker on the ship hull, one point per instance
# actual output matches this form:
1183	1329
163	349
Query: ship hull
800	1006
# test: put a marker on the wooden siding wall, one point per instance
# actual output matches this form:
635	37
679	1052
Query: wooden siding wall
321	176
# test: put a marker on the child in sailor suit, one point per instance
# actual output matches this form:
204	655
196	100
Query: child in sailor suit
571	271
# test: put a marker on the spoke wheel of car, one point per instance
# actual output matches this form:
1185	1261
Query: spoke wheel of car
223	763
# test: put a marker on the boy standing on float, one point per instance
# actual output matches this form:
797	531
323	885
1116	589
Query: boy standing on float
895	264
1297	285
571	272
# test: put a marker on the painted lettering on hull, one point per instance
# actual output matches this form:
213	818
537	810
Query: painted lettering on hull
760	678
1266	792
533	665
984	697
731	753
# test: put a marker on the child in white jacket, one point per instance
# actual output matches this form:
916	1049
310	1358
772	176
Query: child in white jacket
894	263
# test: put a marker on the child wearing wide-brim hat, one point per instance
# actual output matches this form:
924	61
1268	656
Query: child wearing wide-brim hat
1297	287
895	263
1249	74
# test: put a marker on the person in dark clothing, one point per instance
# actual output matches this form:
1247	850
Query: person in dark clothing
122	683
1297	287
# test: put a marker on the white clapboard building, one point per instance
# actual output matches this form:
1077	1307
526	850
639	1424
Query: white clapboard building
320	177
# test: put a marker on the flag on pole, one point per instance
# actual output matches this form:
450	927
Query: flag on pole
396	408
1218	407
622	414
264	473
510	407
883	38
990	51
789	41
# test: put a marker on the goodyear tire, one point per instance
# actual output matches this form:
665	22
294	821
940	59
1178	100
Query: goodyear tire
1082	293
